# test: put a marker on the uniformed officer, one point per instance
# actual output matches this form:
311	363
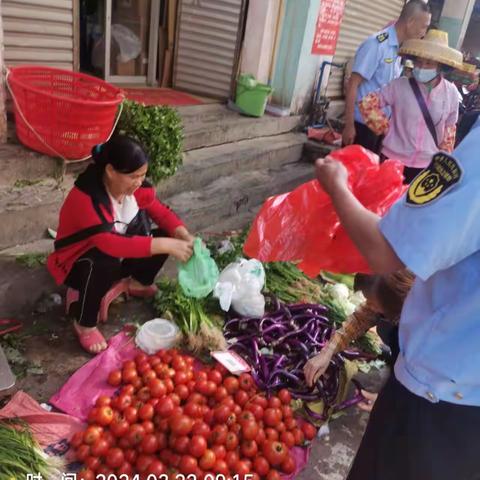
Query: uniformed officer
425	423
376	64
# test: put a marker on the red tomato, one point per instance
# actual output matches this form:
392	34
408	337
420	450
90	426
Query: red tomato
211	388
202	375
219	434
231	442
180	378
137	383
148	376
221	413
309	431
288	439
291	423
149	443
249	429
135	434
288	465
249	448
220	451
221	393
182	391
231	384
274	452
154	361
156	468
127	390
143	462
231	459
131	415
271	434
92	415
272	417
246	381
287	412
193	410
129	375
109	438
148	426
92	434
162	440
180	444
284	396
198	446
178	363
241	469
261	400
124	401
188	464
114	457
76	440
274	402
143	394
201	428
177	411
237	410
223	371
93	463
119	427
123	443
208	459
100	448
165	407
221	467
115	378
246	416
143	368
157	388
169	385
215	376
256	410
105	471
273	475
130	455
103	401
82	452
208	418
124	469
281	427
299	436
181	424
236	428
146	412
140	358
85	474
261	437
261	466
241	398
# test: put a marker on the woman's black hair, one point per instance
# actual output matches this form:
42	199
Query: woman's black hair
123	153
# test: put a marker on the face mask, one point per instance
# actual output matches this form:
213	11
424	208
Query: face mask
425	75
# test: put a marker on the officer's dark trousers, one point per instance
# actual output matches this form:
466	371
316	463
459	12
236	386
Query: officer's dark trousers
94	273
410	438
367	139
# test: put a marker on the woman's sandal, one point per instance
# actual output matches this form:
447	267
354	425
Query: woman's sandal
144	292
90	338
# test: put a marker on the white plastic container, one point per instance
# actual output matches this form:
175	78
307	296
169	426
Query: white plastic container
157	334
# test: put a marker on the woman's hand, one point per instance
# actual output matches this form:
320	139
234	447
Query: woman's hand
331	174
317	366
181	233
182	250
369	402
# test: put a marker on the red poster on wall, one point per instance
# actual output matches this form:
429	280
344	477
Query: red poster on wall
328	27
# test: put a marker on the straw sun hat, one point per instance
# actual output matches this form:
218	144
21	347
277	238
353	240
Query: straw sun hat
434	46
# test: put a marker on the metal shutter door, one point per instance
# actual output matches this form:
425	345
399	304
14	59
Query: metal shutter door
38	32
207	44
362	18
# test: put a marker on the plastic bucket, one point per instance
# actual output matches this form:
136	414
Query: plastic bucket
157	334
251	96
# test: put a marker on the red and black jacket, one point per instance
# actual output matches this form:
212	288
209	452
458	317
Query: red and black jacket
86	221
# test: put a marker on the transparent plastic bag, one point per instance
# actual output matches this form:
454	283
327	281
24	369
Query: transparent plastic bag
240	286
303	227
199	275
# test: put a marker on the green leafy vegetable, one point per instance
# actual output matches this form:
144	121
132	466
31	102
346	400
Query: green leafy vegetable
159	130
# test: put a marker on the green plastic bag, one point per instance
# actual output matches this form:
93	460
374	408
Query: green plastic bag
199	275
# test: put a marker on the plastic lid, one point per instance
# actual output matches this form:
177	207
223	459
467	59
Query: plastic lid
160	328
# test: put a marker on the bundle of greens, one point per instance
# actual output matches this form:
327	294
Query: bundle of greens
20	454
201	330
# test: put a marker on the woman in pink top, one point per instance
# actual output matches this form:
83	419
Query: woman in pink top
414	133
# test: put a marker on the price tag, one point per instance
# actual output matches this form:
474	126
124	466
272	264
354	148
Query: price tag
233	362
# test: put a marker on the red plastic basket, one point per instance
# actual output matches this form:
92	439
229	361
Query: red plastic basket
62	113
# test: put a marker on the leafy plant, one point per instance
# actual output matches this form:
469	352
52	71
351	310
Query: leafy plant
159	129
32	260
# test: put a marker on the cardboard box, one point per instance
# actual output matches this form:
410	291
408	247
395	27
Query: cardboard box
126	68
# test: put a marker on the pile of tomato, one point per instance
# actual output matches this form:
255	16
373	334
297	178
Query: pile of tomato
169	418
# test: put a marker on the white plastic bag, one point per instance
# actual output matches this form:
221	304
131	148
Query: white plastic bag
157	334
240	286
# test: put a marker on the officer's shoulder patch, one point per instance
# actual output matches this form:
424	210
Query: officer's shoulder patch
382	37
389	60
438	178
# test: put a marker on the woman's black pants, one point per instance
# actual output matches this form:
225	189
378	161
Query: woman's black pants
94	273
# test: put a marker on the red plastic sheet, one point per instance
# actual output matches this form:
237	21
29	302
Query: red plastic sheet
302	226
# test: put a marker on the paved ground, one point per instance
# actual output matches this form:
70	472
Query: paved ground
51	344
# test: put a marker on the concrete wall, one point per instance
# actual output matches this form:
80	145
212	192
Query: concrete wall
259	43
296	69
455	18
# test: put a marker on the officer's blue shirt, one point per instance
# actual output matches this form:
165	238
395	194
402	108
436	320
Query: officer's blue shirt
377	61
440	323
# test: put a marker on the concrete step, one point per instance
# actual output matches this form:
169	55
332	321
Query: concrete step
236	194
232	127
26	212
203	166
20	166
